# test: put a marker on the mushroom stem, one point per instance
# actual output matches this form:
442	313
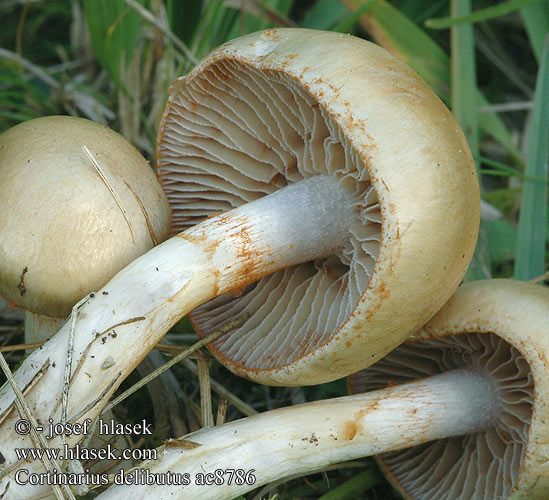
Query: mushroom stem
301	222
308	437
123	321
39	328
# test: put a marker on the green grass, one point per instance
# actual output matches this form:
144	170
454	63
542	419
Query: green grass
486	14
119	75
532	228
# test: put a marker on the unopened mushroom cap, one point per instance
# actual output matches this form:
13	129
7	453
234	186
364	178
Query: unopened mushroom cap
63	234
275	107
501	327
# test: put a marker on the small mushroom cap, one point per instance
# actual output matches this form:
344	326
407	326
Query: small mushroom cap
502	327
63	233
275	107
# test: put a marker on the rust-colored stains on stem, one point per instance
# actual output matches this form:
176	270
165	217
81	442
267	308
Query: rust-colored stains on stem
251	258
355	426
350	430
202	241
195	239
247	258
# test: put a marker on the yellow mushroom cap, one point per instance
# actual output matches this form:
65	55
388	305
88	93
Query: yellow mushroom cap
63	234
276	107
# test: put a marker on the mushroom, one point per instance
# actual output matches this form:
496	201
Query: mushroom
470	417
63	234
499	330
359	199
385	174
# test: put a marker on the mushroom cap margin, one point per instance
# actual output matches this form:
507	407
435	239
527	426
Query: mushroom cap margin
411	145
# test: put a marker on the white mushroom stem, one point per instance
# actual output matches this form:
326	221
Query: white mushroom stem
304	221
39	328
308	437
121	322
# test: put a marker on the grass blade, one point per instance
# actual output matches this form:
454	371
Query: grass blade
324	14
354	487
420	10
464	77
536	19
491	124
347	22
182	17
503	240
502	170
464	108
149	17
532	228
480	15
114	31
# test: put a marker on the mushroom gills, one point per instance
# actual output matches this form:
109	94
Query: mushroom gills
473	465
274	134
